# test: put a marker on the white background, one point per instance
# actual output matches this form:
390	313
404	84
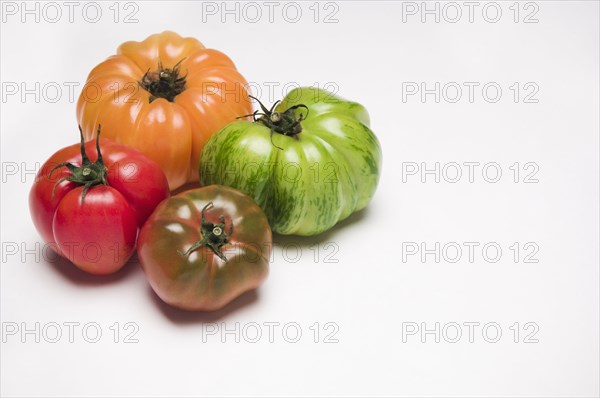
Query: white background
370	293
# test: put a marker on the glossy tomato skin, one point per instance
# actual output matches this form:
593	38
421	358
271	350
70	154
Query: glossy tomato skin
132	176
98	235
319	177
201	281
171	132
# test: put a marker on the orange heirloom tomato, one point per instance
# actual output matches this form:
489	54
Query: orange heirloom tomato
165	96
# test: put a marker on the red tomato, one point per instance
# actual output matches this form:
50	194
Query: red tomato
89	207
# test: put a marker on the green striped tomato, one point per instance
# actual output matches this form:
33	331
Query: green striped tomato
309	162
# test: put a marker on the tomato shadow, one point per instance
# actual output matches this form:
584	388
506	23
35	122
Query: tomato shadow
71	273
327	236
186	187
182	317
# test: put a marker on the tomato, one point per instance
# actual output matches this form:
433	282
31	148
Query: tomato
203	247
309	162
164	96
89	201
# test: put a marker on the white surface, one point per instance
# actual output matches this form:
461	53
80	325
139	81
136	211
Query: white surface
370	292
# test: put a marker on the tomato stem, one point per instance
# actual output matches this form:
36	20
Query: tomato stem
213	235
164	82
89	174
284	123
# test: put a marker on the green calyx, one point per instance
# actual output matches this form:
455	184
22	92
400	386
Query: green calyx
213	235
89	173
284	123
164	83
